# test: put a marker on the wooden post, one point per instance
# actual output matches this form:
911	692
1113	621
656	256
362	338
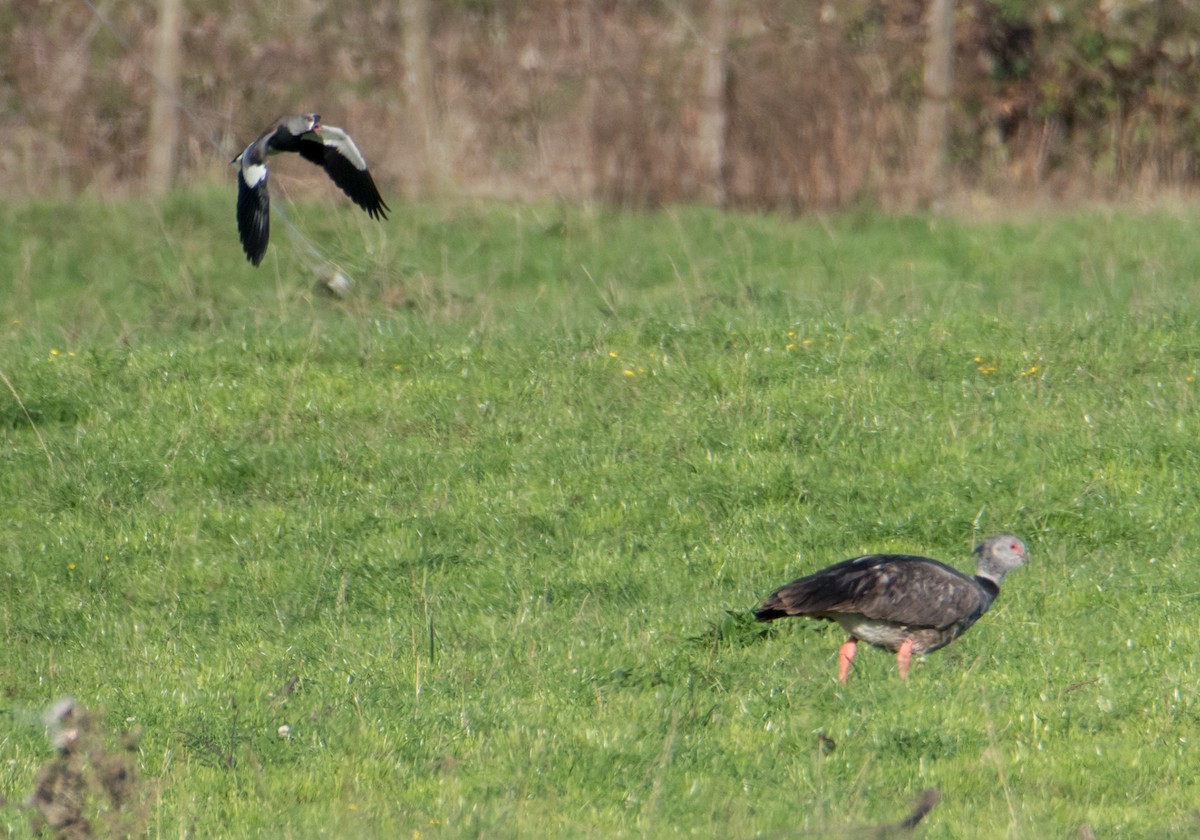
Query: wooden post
164	123
419	91
933	120
710	127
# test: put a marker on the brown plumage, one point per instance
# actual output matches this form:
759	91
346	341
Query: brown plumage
902	603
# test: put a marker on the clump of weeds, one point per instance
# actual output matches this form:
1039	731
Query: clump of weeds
90	787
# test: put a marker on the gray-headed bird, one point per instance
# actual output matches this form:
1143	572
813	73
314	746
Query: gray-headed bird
908	605
325	145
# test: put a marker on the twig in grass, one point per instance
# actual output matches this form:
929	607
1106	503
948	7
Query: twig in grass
1079	685
228	757
25	411
431	637
658	768
925	803
994	751
207	745
232	732
609	301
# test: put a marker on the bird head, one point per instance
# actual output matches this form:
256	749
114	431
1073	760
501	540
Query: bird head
997	556
299	125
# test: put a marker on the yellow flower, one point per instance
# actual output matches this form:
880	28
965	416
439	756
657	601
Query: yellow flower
806	342
1029	371
612	354
790	346
53	351
628	372
71	567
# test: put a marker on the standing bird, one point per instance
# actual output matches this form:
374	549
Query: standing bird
898	602
324	145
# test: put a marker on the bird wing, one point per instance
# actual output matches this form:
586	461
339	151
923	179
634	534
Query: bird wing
912	591
253	208
335	151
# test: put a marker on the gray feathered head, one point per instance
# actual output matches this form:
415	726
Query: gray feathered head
997	556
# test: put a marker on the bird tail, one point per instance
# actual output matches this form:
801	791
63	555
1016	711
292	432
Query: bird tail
771	610
812	595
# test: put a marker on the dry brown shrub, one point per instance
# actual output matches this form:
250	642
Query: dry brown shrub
90	788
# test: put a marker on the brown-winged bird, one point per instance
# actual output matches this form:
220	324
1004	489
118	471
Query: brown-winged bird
902	603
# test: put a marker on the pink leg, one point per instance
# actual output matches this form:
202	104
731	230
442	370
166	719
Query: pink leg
903	657
845	657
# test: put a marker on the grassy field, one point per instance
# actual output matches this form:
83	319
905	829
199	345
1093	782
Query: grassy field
485	535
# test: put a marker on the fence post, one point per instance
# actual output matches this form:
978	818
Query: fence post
710	128
164	123
933	120
419	90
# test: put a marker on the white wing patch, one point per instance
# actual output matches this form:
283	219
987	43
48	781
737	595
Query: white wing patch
254	173
341	141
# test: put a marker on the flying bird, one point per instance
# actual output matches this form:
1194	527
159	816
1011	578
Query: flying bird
324	145
898	602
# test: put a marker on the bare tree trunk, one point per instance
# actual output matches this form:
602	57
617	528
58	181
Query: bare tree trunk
419	89
933	120
164	122
710	127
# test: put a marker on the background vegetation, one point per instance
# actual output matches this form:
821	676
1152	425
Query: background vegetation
484	537
814	103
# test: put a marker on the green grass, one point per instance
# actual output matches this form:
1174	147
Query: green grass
582	446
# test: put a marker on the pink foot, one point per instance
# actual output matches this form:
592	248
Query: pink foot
903	657
845	657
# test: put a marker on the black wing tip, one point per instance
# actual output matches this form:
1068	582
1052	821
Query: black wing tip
254	244
253	219
378	211
381	211
766	613
356	183
369	199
